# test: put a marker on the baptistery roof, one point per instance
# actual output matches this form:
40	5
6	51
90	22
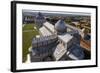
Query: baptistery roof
39	16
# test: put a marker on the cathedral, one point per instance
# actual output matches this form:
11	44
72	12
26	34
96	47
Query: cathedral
56	42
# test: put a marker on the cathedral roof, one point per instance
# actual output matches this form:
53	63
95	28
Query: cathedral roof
60	26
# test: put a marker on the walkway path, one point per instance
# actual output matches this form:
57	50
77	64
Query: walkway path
28	30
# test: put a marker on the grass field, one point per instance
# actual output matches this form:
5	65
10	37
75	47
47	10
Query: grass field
28	33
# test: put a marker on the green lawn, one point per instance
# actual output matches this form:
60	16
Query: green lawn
28	33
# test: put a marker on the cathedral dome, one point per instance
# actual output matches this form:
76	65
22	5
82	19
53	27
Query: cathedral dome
60	26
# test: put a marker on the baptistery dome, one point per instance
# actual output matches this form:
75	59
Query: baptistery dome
39	16
39	19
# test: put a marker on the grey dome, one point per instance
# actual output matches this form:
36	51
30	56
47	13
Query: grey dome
39	16
60	26
40	19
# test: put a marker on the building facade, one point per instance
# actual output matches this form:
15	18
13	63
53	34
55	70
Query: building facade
55	42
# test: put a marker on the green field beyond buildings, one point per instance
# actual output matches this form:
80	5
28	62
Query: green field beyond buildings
29	31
